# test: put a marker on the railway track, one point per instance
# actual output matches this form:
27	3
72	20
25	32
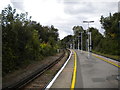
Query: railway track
34	75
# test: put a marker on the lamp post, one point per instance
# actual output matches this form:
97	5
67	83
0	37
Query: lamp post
89	36
78	43
81	42
90	42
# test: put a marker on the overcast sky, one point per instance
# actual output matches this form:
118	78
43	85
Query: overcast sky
64	14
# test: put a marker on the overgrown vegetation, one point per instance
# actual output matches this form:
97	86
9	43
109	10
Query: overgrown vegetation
111	41
115	57
24	40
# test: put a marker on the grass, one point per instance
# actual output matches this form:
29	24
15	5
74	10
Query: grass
115	57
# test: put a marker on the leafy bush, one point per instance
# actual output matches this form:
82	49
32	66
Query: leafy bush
24	40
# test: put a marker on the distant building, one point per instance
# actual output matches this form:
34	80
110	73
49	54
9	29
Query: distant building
119	6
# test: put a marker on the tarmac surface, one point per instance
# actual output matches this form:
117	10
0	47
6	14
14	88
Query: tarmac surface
92	72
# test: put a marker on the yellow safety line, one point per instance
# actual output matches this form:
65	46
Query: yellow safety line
106	60
74	72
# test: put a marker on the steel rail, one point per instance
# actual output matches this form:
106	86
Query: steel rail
34	75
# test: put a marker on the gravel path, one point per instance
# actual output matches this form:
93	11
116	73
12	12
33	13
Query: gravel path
40	82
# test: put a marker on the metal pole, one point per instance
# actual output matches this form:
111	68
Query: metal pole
70	46
90	42
88	45
78	42
88	39
81	41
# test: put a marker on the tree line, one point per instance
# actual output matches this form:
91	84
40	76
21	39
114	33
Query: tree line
107	43
24	40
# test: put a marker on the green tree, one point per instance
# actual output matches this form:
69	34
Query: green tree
112	33
24	40
96	38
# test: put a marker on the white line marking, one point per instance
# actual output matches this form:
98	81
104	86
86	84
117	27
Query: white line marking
58	73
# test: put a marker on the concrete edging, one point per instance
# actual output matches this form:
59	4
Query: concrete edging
58	73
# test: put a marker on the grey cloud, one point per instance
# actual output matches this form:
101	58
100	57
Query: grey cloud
80	11
18	4
89	7
78	8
